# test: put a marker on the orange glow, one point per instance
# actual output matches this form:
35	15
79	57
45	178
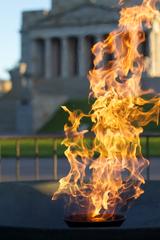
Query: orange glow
113	159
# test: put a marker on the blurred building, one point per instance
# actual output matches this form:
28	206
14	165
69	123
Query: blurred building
56	45
56	57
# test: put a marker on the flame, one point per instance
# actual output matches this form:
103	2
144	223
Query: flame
113	159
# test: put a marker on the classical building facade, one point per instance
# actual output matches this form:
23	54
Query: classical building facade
56	57
56	45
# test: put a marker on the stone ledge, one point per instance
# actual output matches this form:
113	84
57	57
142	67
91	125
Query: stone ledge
79	234
27	211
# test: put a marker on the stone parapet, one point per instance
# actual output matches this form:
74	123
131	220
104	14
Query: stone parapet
30	17
63	5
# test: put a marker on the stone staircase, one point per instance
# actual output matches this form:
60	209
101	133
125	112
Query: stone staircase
44	105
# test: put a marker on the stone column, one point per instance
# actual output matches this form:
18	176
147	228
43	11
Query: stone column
154	53
34	58
48	59
64	57
82	58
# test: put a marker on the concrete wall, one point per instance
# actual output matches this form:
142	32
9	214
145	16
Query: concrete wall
8	116
63	5
24	121
16	116
29	17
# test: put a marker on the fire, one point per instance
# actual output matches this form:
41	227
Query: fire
107	173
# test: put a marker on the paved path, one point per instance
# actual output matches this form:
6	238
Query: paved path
28	169
29	205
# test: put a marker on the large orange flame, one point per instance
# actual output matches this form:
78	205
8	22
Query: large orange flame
114	158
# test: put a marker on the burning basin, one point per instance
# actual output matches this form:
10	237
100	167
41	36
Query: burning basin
82	220
113	160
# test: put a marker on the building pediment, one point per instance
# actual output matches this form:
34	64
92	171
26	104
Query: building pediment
84	15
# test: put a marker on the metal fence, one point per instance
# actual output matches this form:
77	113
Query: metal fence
148	136
54	156
36	138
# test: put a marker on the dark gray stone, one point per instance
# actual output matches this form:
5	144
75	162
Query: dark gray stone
27	211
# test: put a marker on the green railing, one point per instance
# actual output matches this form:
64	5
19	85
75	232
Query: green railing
18	150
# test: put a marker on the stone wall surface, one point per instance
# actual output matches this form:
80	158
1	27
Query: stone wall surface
8	110
63	5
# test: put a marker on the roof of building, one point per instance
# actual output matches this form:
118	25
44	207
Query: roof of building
63	5
86	14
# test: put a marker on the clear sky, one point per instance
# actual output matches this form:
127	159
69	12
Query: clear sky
10	24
